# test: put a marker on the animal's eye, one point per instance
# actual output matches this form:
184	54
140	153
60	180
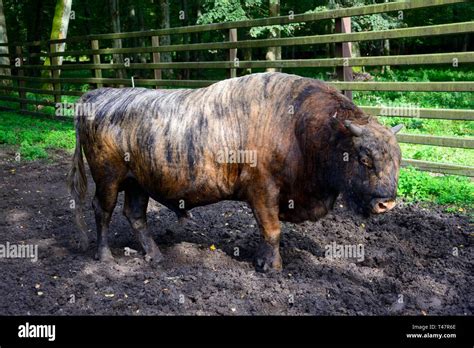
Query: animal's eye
366	161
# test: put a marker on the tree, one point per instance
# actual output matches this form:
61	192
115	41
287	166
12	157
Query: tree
62	14
116	43
34	27
164	23
186	37
135	21
4	49
274	53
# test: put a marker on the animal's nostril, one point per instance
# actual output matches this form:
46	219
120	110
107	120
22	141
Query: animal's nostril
382	206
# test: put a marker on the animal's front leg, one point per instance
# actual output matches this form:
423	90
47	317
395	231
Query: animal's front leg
265	209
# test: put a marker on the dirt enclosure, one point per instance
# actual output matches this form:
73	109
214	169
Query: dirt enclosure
408	266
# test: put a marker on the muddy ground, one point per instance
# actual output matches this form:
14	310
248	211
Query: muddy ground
408	267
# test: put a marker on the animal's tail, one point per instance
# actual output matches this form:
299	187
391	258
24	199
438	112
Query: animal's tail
77	184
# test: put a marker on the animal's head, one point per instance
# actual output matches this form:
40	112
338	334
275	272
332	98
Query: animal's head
369	165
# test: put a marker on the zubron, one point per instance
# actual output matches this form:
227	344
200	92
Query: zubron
15	251
174	138
37	331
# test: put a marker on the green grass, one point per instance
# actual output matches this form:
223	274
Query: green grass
438	128
456	191
34	138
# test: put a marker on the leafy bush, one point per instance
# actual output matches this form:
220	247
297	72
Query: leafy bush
415	185
32	152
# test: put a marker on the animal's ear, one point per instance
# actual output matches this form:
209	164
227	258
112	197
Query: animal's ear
336	125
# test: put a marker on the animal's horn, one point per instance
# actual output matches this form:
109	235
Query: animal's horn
355	130
397	128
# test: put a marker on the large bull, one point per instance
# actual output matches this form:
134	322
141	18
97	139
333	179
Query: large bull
286	145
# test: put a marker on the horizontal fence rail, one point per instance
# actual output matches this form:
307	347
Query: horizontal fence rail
355	86
25	90
442	114
414	59
440	29
444	168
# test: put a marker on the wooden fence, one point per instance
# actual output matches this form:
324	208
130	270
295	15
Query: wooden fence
22	83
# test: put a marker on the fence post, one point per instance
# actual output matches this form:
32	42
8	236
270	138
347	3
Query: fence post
233	52
156	58
21	83
53	48
343	49
96	60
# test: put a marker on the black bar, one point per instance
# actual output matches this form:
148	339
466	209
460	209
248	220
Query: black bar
259	330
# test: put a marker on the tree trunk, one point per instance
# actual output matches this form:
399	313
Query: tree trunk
141	24
197	55
163	23
355	49
465	44
89	16
117	43
247	53
133	26
386	51
137	24
34	30
62	13
186	38
4	49
274	53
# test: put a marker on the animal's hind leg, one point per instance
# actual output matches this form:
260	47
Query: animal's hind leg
104	204
135	205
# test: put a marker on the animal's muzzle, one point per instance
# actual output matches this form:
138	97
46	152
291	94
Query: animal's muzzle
382	205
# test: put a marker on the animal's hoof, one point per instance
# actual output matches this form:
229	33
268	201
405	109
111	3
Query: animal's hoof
267	258
83	245
155	257
80	243
105	255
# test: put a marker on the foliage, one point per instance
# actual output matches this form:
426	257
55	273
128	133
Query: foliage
415	185
33	137
226	10
29	151
218	11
